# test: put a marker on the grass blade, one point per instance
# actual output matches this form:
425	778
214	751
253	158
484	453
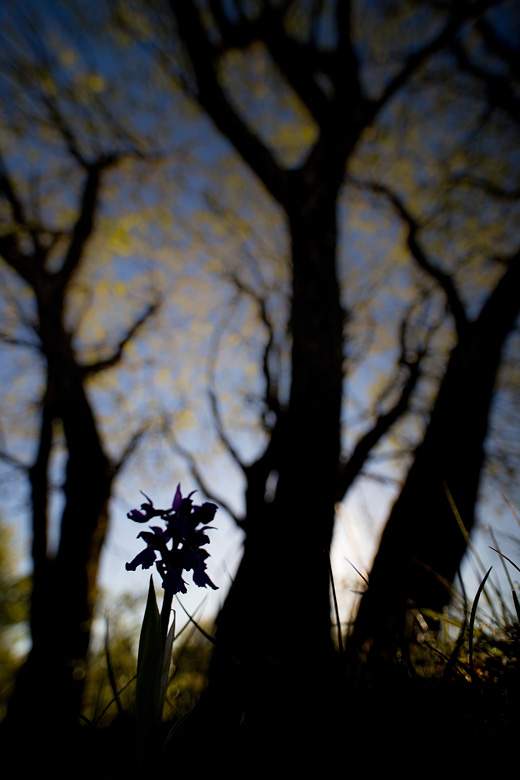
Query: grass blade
472	623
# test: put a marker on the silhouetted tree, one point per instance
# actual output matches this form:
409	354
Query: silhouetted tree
44	253
423	545
284	574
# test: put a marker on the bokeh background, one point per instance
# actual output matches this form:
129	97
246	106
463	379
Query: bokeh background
173	264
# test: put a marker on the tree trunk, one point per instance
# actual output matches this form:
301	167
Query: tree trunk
422	545
52	678
275	622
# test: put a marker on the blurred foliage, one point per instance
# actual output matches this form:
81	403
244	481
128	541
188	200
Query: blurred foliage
14	612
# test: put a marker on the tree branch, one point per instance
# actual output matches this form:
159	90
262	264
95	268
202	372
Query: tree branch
130	448
8	190
271	382
14	462
115	357
13	342
212	396
500	46
200	480
9	245
85	222
204	56
300	64
221	433
444	280
500	90
487	186
352	468
462	13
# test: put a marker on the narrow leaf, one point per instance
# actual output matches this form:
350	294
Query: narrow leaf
517	605
148	684
472	622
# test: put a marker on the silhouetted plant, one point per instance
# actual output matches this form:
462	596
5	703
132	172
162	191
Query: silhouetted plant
175	549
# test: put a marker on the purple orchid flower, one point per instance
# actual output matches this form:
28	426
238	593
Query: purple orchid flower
182	531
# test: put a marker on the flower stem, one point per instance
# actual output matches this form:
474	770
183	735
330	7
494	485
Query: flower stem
165	615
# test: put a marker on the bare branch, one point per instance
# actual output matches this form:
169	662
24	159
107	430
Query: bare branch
14	342
487	186
202	483
444	280
500	46
6	457
85	223
130	447
212	396
300	62
7	188
462	13
115	357
500	89
271	382
210	94
10	248
64	129
221	432
380	479
353	467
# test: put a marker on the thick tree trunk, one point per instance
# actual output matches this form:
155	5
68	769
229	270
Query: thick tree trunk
64	583
275	622
422	545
